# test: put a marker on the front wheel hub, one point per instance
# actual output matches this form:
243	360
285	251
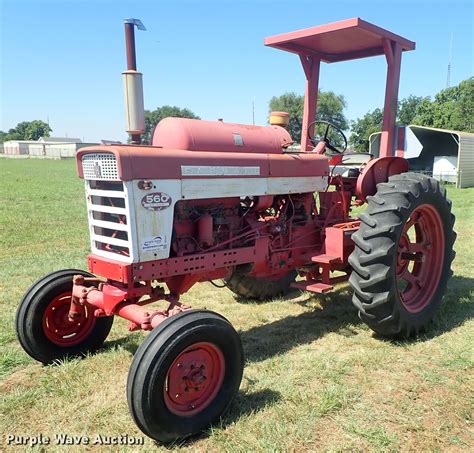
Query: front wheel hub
60	329
194	379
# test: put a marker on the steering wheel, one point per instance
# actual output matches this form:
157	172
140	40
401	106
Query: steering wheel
325	139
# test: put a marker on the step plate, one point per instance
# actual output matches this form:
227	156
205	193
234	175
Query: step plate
312	286
325	259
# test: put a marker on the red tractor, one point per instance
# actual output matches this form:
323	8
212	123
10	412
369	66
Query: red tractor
212	200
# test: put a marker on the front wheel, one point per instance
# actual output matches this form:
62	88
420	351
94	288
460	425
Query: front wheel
42	325
184	375
403	253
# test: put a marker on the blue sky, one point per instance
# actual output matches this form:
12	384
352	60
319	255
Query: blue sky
63	60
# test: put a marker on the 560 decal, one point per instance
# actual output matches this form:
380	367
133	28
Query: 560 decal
156	201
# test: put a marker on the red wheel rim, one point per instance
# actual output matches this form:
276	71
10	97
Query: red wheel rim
420	258
57	326
194	379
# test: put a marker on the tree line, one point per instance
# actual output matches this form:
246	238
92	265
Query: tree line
451	108
27	130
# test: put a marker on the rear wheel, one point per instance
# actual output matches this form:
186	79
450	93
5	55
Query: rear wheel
260	288
403	253
184	375
42	325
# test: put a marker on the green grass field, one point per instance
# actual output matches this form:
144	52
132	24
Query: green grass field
316	378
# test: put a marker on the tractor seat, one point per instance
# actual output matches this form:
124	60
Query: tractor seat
351	164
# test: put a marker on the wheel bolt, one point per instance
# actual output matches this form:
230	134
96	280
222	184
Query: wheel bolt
179	365
177	395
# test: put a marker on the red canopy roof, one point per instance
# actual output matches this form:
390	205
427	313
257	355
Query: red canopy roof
338	41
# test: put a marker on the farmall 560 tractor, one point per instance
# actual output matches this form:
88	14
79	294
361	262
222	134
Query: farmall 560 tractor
212	200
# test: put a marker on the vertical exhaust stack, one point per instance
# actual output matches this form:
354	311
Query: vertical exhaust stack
133	85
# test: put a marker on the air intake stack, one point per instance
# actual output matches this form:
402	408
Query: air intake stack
133	85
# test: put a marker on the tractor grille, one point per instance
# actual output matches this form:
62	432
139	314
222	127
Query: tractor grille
110	225
100	167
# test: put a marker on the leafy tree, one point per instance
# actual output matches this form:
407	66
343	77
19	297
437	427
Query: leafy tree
407	108
152	118
330	108
293	104
371	122
452	108
27	130
362	128
36	129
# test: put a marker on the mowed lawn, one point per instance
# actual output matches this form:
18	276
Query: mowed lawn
316	378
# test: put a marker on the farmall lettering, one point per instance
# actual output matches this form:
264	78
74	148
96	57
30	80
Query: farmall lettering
156	201
239	205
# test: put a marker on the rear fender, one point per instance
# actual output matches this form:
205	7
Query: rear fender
377	171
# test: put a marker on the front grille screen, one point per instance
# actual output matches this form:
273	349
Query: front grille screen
100	166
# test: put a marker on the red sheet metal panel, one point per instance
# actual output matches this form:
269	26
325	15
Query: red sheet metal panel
338	41
298	164
146	162
199	135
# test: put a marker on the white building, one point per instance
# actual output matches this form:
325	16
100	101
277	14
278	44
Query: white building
16	147
45	147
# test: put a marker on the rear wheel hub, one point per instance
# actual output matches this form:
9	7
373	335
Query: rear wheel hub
420	258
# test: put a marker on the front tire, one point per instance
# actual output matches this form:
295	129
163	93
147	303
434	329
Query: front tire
403	252
42	325
184	375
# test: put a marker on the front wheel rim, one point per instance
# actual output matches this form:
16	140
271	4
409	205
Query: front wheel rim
59	329
420	258
194	379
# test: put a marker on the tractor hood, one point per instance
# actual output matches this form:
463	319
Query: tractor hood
127	162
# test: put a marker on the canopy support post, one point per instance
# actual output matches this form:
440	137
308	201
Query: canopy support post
393	54
311	65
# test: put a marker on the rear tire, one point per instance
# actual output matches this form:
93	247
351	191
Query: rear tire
260	288
41	320
403	252
184	375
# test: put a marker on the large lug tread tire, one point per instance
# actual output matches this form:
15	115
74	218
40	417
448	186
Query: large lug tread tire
253	288
374	277
149	377
29	322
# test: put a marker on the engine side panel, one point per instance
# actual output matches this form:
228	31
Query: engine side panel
154	208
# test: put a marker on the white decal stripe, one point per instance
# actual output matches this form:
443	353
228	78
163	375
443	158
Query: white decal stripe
242	187
204	170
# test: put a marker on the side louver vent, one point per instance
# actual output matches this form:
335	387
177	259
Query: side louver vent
111	229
